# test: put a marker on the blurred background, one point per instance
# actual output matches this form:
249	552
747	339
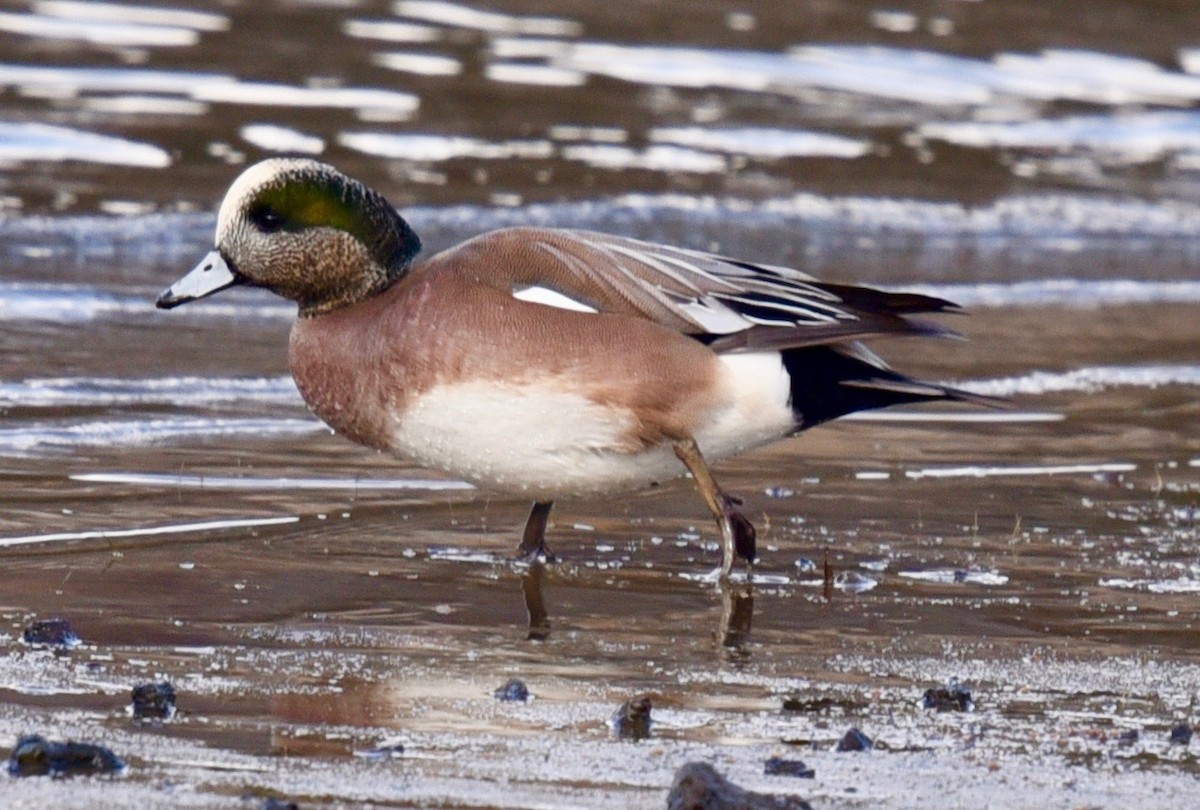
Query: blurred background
127	108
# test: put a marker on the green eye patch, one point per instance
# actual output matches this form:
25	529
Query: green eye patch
313	199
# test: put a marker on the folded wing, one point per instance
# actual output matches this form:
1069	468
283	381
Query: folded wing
732	305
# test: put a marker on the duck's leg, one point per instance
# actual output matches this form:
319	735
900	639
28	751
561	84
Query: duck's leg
737	533
533	540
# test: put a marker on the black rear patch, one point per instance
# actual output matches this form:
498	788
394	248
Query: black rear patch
827	383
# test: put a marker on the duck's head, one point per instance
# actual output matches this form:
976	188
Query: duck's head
305	231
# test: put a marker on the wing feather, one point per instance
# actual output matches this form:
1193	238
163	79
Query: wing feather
730	304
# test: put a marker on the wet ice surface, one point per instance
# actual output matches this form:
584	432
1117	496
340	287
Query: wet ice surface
315	605
335	623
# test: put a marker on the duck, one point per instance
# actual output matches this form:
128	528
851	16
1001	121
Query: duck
552	363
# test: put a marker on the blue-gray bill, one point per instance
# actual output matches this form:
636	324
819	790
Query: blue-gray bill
211	275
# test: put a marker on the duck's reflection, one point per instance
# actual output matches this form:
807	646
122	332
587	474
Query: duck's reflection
737	615
535	603
733	622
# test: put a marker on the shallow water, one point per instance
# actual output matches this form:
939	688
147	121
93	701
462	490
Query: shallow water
167	492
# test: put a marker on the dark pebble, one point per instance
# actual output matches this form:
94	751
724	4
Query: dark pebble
778	766
278	804
153	701
36	756
953	697
389	751
1181	734
698	786
854	740
796	703
513	690
632	720
51	632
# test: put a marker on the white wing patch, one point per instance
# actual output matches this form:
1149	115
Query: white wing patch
551	298
712	316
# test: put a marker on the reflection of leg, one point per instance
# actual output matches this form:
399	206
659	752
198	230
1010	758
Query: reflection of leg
535	605
737	533
737	615
533	541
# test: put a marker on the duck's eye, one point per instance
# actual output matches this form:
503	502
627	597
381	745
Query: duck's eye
266	219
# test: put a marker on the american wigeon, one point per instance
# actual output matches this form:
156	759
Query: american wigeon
548	362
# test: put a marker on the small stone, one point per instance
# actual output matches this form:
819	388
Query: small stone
697	786
632	720
51	633
818	705
778	766
36	756
1181	734
514	690
272	803
385	750
153	701
953	697
854	740
1128	737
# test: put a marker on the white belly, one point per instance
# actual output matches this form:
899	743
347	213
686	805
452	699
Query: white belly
538	440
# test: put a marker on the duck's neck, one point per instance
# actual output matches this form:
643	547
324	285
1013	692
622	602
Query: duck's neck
352	368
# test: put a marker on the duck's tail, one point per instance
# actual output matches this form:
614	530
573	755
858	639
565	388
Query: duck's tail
832	381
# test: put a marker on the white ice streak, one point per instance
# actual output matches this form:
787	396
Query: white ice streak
1189	60
27	439
107	80
532	74
898	74
132	13
74	303
207	87
762	142
527	47
956	577
139	104
436	148
183	392
32	141
1098	78
491	22
1089	379
421	64
109	33
282	139
1069	293
391	31
1004	417
1182	585
59	302
661	157
1058	222
229	482
981	471
269	94
1123	137
150	531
